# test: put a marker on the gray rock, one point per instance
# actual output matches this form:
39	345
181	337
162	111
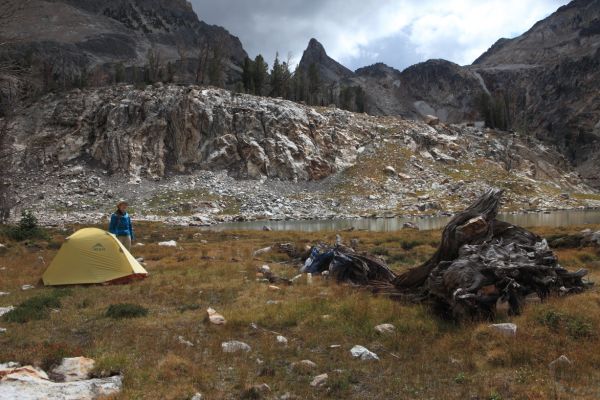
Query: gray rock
363	353
385	328
319	380
235	346
507	329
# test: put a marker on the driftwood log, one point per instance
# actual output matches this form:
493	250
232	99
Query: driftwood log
482	260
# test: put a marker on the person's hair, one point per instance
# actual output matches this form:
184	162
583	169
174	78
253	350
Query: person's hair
119	211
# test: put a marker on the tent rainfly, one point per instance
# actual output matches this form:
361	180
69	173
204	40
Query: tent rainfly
92	255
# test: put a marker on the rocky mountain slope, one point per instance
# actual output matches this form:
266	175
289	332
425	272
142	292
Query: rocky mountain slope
76	36
543	83
198	155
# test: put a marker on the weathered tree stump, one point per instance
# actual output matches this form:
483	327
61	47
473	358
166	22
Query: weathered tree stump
482	260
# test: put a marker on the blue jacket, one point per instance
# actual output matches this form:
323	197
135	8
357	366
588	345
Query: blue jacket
120	225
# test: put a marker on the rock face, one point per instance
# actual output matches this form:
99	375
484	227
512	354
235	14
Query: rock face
86	34
174	129
329	69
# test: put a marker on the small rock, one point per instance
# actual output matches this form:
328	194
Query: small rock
2	330
559	366
5	310
304	364
390	170
27	287
273	287
385	328
404	176
140	259
507	329
234	346
363	353
319	380
282	340
265	269
431	120
266	228
410	225
214	317
169	243
197	396
262	251
4	293
182	340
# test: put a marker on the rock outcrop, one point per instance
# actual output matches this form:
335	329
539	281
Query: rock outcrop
177	129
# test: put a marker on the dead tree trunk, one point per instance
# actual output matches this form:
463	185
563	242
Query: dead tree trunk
481	261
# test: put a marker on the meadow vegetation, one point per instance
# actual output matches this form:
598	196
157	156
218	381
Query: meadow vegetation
425	358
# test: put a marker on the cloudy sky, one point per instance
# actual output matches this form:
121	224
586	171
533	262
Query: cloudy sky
362	32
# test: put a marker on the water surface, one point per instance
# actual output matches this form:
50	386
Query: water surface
553	219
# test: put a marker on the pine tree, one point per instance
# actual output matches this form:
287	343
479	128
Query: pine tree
276	78
216	75
261	74
314	84
248	76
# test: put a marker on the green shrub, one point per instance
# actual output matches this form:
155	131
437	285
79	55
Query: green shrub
126	310
26	229
575	326
35	308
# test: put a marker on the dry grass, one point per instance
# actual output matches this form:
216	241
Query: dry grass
425	359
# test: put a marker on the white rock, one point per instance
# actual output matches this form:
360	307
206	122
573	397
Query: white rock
385	328
197	396
2	330
27	287
27	383
262	251
5	310
183	341
234	346
282	340
389	170
75	368
265	269
561	362
319	380
214	317
169	243
307	364
363	353
4	293
507	329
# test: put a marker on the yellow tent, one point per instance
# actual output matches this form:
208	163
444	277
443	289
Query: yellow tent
92	255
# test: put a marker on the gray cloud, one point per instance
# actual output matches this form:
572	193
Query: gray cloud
358	33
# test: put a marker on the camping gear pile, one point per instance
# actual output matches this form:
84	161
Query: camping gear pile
480	261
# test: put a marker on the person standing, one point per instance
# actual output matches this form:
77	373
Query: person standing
120	225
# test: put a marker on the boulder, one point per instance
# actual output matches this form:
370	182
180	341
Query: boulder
235	346
363	353
304	365
169	243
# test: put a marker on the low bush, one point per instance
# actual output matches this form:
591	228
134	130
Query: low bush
126	310
576	326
